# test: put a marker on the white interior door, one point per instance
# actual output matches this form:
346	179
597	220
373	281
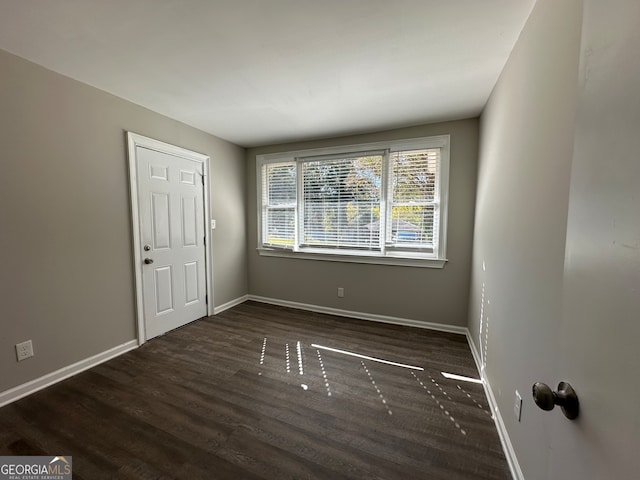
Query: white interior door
599	354
171	226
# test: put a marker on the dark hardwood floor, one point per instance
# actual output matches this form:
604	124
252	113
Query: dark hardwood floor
236	396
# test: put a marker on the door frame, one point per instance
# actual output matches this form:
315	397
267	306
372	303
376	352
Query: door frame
135	140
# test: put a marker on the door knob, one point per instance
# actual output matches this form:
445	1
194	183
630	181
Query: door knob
147	248
148	261
566	397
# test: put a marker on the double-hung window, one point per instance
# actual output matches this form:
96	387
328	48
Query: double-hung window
384	202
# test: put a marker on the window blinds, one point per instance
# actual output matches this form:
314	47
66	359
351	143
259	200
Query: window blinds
341	202
279	204
412	216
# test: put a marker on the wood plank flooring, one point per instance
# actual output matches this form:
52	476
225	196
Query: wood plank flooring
245	395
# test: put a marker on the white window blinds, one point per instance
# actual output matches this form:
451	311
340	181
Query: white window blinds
341	198
279	204
413	214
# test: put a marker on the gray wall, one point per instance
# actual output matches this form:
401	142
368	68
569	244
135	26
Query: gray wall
422	294
66	273
526	145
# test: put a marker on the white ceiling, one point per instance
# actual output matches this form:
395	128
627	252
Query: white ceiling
256	72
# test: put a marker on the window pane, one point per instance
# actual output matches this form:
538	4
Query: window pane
281	183
342	202
412	224
414	175
413	211
279	200
280	228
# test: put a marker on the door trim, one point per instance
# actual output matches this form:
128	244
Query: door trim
135	140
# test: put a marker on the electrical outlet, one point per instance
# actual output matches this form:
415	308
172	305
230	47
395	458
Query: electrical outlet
517	407
24	350
340	292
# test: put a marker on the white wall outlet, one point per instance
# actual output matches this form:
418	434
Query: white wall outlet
517	407
340	292
24	350
213	224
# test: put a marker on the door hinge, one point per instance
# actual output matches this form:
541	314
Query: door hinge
206	299
202	180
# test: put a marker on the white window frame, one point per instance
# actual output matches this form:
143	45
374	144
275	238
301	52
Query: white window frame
389	256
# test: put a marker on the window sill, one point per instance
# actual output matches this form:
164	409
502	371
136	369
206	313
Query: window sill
407	261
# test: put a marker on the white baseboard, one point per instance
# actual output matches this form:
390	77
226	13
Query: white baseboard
33	386
231	304
474	353
441	327
507	446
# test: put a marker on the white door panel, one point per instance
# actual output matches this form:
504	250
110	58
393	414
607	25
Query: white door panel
160	218
191	283
170	195
163	289
189	222
600	327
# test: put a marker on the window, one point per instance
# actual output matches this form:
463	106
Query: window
279	204
374	203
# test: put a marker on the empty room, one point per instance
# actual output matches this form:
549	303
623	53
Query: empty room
295	239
